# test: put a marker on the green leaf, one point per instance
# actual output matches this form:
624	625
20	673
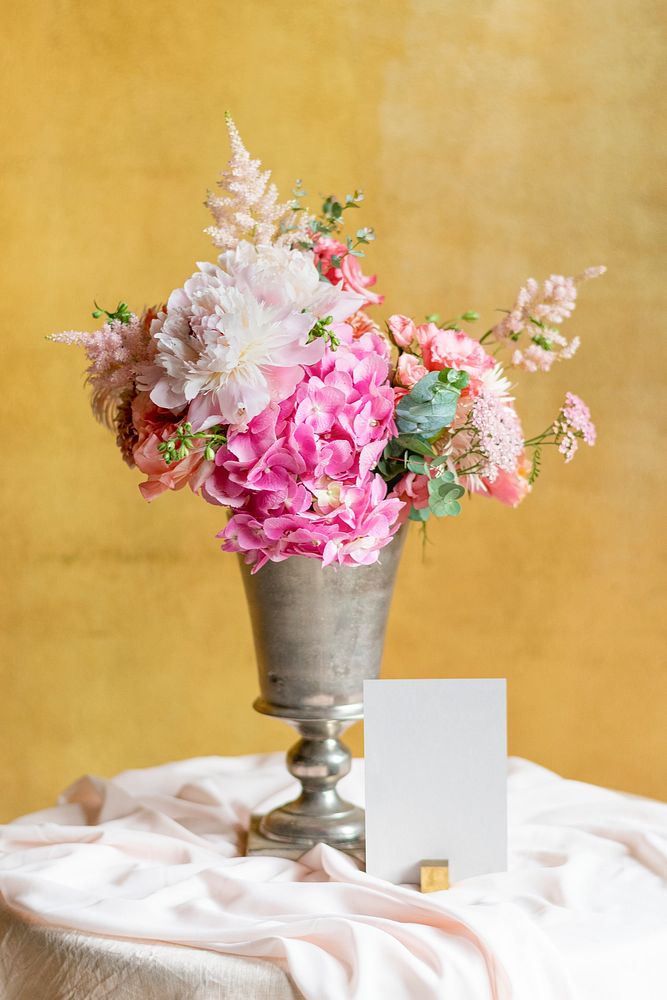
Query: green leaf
417	465
444	507
422	391
542	341
419	515
412	442
454	377
439	460
535	466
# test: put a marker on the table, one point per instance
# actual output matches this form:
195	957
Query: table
133	887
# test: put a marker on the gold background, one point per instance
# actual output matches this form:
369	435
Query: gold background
495	139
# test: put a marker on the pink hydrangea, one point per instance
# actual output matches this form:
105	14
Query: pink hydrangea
346	272
299	478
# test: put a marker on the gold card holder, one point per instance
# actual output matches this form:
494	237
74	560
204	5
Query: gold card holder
434	875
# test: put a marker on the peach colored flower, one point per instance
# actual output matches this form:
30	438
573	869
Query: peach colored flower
508	487
361	323
154	426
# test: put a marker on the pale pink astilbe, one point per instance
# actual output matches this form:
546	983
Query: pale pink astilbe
537	311
249	208
116	353
572	425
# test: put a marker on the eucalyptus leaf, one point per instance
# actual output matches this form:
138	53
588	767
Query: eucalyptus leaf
412	442
444	507
417	465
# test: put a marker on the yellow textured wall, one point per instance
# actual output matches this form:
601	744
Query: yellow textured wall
495	139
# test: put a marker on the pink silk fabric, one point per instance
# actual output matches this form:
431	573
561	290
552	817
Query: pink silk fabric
153	855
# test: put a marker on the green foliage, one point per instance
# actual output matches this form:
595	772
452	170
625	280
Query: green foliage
323	329
179	446
331	215
535	466
469	316
430	406
542	341
121	312
444	493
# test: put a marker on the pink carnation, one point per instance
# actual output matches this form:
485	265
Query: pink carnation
347	272
452	349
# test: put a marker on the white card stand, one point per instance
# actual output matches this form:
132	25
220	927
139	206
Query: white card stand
436	777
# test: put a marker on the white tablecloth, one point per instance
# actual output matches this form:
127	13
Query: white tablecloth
150	859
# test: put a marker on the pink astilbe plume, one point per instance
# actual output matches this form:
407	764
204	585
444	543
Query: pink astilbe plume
249	208
538	310
116	353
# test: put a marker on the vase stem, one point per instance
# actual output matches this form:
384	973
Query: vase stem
318	760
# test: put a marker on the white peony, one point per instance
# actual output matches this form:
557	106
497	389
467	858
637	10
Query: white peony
235	337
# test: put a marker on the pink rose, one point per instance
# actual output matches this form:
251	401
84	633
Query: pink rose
154	425
402	329
409	370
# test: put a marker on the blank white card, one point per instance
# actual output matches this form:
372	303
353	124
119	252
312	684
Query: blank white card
436	776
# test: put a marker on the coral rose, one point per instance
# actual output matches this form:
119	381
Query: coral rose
347	272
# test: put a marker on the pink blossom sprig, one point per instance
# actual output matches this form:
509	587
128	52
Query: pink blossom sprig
572	425
536	315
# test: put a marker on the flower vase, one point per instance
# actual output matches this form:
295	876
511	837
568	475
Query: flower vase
319	633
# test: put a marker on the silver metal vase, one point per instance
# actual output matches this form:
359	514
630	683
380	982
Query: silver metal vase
319	633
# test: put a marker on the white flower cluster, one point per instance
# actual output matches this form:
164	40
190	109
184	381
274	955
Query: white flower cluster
234	338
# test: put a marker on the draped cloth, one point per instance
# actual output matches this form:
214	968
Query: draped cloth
136	887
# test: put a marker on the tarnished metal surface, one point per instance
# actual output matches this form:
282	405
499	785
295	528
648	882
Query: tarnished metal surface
319	633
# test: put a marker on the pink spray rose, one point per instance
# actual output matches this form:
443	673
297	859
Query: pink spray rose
402	329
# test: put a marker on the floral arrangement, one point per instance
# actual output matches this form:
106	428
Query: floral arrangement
266	386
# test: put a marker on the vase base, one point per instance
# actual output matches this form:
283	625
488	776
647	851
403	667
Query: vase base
260	845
